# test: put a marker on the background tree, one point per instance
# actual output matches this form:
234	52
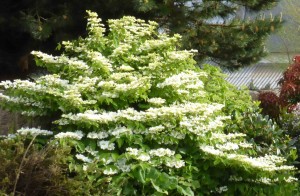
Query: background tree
216	29
287	38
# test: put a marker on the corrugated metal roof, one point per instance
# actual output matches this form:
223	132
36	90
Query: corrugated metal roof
261	75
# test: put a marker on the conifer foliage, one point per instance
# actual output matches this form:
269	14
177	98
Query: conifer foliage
226	31
134	108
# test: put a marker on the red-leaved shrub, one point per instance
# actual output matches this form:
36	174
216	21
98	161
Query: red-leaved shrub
269	102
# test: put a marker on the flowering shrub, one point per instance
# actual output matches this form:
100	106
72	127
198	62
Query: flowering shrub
134	108
262	132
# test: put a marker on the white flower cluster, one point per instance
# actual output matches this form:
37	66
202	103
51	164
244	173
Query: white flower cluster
121	50
227	146
156	129
174	110
90	151
221	189
226	137
121	164
175	163
161	152
263	163
77	135
52	80
180	55
110	171
23	101
9	136
24	85
119	83
85	84
83	158
125	68
62	61
198	124
263	180
156	101
132	151
170	161
211	150
94	24
187	79
150	45
120	130
34	131
266	163
101	61
143	157
106	145
97	135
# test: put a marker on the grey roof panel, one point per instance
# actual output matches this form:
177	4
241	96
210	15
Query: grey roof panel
261	75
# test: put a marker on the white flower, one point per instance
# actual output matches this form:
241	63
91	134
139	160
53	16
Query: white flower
121	164
33	131
227	146
290	179
84	167
265	180
156	101
182	79
119	131
211	150
77	135
132	151
225	137
97	135
126	68
91	151
110	171
266	163
222	189
106	145
156	129
143	157
175	163
245	145
8	137
160	152
109	94
83	158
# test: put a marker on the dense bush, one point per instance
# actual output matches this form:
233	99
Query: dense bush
142	119
270	104
29	167
290	88
261	131
284	109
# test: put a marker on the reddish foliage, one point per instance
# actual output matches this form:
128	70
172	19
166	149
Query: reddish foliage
296	59
269	104
289	93
290	85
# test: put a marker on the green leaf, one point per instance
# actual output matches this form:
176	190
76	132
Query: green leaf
185	190
80	147
140	175
156	187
